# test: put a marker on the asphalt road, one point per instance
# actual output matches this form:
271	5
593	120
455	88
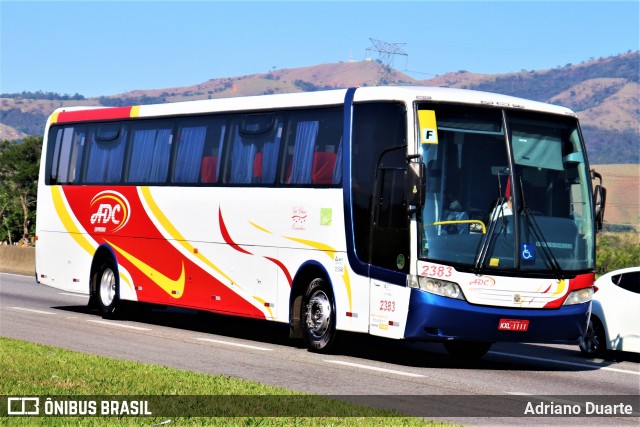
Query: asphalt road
388	373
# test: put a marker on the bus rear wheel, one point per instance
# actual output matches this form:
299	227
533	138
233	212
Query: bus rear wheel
467	349
107	287
318	319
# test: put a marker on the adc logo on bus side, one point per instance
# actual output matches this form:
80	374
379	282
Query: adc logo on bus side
111	211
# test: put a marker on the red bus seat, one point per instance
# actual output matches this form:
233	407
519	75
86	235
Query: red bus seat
322	168
208	168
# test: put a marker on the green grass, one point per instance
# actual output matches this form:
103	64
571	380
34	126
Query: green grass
28	369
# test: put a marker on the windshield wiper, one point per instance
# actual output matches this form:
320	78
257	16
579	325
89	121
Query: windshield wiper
550	259
488	238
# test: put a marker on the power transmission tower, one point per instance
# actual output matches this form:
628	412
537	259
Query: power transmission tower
386	54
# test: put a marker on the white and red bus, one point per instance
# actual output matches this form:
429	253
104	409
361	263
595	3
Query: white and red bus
405	212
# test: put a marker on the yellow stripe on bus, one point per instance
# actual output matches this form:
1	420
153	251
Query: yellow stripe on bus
53	118
67	221
316	245
175	234
263	303
260	228
135	111
173	287
331	253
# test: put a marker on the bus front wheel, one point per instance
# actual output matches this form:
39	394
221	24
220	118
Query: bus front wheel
593	343
318	319
107	287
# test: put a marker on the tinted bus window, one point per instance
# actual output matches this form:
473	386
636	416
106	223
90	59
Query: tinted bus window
150	152
106	154
67	147
377	127
199	145
212	152
189	153
254	149
314	148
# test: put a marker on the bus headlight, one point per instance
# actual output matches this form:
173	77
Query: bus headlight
438	287
579	296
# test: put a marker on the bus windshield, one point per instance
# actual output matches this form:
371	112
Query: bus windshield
506	190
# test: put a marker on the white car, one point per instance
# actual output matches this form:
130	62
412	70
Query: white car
615	314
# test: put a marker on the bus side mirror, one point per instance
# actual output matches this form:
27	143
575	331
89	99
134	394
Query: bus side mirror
599	201
415	186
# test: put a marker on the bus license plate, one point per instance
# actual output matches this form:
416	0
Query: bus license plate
513	325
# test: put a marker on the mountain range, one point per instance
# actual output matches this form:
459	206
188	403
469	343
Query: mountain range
604	92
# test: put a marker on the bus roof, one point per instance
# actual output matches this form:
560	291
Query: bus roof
407	94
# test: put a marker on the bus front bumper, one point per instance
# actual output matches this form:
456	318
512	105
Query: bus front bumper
436	318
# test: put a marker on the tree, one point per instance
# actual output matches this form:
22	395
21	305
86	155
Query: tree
616	251
19	167
10	215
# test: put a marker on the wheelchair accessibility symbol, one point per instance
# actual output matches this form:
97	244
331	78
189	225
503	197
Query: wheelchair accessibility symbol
527	253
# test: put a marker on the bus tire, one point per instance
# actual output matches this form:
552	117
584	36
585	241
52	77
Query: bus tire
107	288
318	317
467	349
594	342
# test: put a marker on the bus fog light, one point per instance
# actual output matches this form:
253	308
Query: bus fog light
579	296
440	287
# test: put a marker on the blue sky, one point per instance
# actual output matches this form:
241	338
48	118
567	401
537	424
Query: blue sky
105	48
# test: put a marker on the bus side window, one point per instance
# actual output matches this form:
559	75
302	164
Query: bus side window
67	155
189	154
214	143
304	144
106	154
313	151
378	127
150	151
254	149
390	228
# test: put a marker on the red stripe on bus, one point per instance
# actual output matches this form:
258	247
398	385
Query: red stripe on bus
95	114
227	237
579	282
283	268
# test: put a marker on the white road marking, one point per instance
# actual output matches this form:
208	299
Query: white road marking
374	368
235	344
562	362
31	310
118	325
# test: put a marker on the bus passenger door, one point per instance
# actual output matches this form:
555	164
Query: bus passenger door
390	247
389	309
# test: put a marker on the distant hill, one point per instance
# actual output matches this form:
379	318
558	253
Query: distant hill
605	93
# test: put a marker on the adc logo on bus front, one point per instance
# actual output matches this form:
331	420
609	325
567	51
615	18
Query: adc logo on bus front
482	282
111	211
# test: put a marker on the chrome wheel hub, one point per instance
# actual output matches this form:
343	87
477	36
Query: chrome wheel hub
318	315
107	287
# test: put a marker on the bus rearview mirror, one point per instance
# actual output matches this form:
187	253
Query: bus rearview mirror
414	185
599	201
